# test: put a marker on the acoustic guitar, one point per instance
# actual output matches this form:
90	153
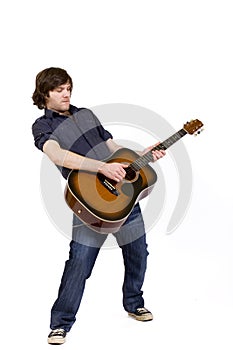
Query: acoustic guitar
103	204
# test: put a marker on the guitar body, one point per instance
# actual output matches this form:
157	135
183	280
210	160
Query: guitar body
102	204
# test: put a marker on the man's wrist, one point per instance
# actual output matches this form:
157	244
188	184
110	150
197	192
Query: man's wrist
100	166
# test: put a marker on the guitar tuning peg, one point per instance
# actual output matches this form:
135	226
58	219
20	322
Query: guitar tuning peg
198	132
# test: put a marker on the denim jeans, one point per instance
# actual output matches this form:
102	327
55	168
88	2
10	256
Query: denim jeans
84	249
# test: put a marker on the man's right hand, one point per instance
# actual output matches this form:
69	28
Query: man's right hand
114	171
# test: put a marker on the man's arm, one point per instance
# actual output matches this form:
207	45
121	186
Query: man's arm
113	147
71	160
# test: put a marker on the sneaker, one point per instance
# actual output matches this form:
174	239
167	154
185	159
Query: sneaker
141	314
57	336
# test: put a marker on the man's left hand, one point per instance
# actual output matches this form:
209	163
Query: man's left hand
156	154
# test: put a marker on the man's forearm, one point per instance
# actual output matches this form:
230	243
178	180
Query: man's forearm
68	159
72	160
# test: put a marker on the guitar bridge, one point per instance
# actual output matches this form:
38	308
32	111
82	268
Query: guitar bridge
107	184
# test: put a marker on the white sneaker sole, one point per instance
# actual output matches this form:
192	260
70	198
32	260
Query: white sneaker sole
56	340
143	318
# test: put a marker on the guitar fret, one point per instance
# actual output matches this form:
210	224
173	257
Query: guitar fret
148	157
135	166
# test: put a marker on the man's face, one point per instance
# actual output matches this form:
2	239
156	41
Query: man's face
59	98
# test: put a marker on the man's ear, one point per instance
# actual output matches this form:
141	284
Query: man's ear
46	97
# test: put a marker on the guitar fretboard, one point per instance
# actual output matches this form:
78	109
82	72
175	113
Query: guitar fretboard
148	157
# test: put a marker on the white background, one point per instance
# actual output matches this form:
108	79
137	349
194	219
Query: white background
175	58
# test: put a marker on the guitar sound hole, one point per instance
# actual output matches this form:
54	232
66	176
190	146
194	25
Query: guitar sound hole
130	174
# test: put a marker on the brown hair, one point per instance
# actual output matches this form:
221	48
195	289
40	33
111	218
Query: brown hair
47	80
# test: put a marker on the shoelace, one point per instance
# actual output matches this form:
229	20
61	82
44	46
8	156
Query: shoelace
60	332
142	309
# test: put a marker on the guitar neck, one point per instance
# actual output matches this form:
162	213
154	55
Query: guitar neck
148	157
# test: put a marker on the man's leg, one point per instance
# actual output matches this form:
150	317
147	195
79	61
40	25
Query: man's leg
132	240
84	249
135	261
77	269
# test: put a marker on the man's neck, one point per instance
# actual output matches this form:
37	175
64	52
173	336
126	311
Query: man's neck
67	113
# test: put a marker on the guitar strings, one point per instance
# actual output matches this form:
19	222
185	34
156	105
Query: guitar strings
148	157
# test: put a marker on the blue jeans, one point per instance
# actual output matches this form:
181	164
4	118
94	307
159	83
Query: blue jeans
84	249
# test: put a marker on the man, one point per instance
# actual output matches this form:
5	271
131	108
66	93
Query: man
73	138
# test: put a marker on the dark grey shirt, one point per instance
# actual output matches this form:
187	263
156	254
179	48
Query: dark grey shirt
81	133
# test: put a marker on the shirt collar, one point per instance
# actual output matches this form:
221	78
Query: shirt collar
49	113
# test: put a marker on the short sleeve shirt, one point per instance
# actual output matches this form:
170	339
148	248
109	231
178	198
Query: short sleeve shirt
81	133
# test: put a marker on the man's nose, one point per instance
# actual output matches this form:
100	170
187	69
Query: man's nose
66	93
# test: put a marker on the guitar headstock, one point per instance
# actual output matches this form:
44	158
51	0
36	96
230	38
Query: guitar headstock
193	126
